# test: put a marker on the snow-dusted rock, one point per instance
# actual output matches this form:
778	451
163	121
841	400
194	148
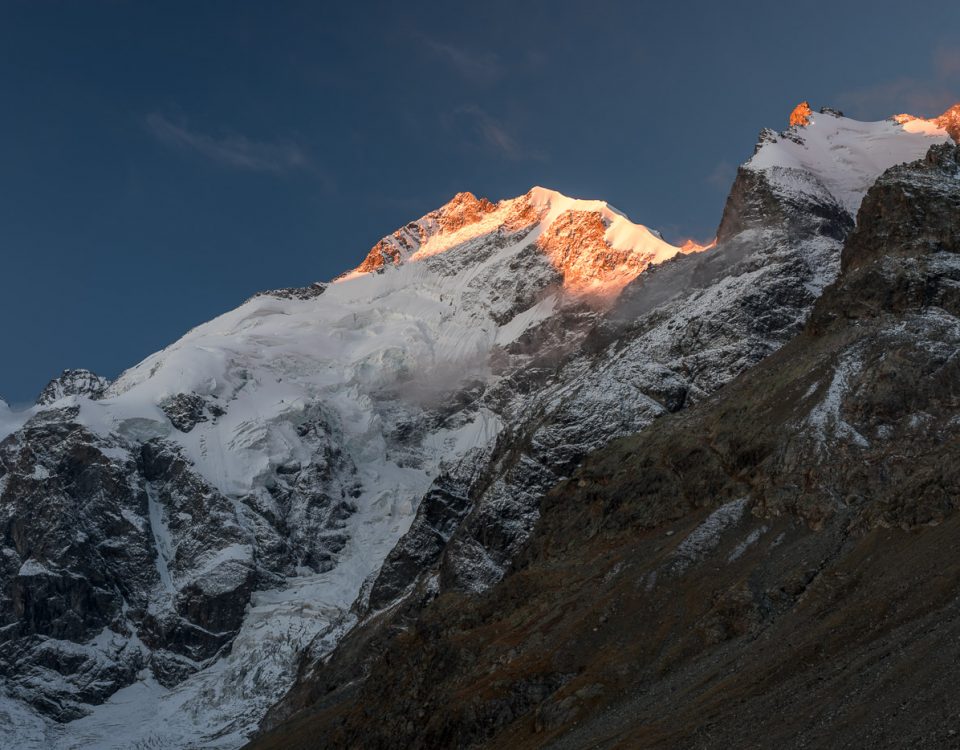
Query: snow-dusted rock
73	383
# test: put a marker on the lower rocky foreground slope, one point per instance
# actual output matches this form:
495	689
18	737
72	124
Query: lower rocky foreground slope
774	567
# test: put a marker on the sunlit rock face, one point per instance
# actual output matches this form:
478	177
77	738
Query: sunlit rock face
594	247
580	247
950	121
464	209
800	116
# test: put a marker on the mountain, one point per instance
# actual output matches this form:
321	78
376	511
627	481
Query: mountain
222	503
774	567
246	521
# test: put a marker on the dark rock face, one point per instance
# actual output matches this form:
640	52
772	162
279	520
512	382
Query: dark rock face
74	558
117	555
295	292
440	512
788	541
754	203
185	410
73	383
893	217
200	613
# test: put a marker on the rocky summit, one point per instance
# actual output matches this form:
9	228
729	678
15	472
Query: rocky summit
528	476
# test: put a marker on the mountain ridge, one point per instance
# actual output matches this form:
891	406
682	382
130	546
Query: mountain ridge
292	483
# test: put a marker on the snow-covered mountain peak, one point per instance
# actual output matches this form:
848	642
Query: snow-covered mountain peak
272	457
595	247
464	279
840	157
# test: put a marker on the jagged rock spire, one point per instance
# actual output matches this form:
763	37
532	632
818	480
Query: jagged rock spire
801	114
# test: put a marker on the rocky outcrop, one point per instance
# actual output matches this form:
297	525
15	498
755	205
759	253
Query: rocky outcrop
800	116
73	383
950	121
295	292
754	203
894	221
186	410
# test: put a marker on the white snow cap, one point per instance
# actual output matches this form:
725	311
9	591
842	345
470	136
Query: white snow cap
845	155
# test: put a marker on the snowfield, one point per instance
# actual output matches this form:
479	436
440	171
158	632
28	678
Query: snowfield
845	156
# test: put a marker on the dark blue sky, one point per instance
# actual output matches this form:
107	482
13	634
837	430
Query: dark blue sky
161	162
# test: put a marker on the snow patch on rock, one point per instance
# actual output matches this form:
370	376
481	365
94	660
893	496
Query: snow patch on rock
706	536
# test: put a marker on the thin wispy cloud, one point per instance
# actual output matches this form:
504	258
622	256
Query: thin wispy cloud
924	97
477	66
721	176
920	98
230	150
487	132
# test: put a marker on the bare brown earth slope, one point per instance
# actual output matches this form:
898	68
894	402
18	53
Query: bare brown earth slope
776	567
